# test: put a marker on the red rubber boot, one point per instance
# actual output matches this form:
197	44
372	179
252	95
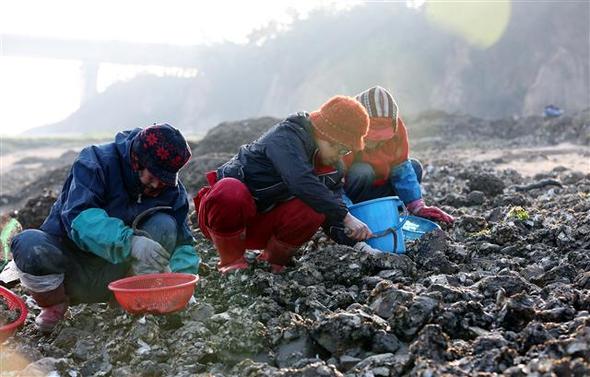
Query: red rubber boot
231	248
54	305
278	254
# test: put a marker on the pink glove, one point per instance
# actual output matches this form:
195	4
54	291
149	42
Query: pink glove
418	208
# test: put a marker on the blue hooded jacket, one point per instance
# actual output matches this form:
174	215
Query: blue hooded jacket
102	196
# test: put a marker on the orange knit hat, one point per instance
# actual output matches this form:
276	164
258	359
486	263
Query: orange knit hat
342	120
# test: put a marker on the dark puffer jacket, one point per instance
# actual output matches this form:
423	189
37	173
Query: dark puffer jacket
280	166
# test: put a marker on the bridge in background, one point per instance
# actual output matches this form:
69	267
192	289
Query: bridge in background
93	53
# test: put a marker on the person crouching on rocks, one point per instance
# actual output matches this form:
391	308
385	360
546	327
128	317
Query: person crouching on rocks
87	240
383	168
276	192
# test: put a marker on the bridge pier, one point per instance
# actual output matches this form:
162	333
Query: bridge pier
89	73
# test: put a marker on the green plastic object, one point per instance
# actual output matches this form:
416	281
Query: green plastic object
11	228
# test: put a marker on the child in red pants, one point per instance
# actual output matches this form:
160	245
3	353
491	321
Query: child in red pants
276	192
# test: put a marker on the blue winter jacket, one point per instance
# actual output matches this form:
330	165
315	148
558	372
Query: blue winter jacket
102	196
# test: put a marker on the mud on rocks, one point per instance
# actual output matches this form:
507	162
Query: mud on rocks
505	291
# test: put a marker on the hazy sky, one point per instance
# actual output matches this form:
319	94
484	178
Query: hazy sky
36	91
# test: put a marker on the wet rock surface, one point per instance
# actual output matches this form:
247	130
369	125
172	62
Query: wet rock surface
219	145
503	291
32	177
36	209
531	130
227	137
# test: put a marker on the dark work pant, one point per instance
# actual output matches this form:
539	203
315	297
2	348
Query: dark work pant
86	275
361	176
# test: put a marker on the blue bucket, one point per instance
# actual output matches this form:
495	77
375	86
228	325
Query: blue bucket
415	227
382	216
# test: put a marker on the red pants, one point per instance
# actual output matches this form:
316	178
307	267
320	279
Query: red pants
228	207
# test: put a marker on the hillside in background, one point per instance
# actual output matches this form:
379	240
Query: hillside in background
542	57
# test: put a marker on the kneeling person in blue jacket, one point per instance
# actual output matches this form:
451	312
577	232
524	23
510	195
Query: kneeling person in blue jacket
87	241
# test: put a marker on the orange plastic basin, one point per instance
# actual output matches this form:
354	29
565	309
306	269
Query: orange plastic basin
154	293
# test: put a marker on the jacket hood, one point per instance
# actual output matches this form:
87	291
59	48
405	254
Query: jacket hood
123	142
303	120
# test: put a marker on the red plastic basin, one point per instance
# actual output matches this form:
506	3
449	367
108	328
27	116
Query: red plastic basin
154	293
14	302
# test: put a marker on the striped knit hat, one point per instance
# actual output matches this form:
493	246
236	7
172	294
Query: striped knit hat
342	120
382	111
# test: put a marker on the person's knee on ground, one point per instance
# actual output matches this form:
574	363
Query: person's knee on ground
36	253
228	206
41	267
40	262
162	228
359	179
